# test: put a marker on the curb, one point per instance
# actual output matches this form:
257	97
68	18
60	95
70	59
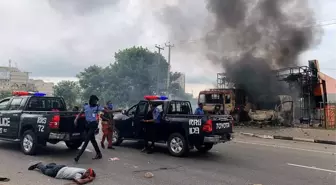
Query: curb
289	138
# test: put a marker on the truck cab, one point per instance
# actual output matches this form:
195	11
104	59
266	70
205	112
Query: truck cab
231	101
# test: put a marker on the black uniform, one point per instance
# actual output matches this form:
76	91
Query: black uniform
150	134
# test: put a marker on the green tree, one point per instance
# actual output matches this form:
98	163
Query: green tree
175	88
70	91
91	81
5	94
135	73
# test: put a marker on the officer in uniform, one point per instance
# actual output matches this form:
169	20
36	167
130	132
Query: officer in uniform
199	110
153	118
91	111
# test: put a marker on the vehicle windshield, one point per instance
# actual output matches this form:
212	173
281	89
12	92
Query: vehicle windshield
45	104
211	98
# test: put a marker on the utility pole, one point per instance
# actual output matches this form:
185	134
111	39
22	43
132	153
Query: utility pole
157	68
168	71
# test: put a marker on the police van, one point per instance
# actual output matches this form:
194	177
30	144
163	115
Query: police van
179	128
33	119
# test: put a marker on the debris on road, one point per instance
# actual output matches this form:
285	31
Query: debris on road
114	159
149	175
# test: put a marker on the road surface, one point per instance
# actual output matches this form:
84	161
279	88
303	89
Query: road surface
245	161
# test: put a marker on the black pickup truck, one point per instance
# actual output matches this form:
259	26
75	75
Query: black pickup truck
179	128
33	121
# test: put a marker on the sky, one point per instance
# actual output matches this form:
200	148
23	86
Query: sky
56	39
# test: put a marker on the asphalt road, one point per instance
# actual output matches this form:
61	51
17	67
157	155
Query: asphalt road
244	161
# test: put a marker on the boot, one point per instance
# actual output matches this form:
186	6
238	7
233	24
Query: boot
98	156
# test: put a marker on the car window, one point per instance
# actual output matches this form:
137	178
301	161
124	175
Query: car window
131	111
202	98
45	104
15	104
3	104
177	107
227	99
142	107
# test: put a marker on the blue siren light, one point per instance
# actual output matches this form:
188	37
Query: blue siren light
39	94
163	98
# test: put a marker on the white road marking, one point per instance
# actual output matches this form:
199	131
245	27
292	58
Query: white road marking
311	167
87	150
279	146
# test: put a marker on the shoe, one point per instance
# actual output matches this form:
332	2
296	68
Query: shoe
34	166
150	151
102	145
98	156
111	147
144	149
76	159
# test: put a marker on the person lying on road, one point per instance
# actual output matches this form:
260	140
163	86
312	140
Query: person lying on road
78	175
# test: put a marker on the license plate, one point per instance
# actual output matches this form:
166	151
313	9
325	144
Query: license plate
75	134
220	126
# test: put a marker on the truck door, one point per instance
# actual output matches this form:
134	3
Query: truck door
126	127
140	115
14	113
4	118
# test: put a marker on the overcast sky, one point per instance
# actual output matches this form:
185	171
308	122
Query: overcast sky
55	39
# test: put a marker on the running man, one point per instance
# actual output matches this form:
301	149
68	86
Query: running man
91	111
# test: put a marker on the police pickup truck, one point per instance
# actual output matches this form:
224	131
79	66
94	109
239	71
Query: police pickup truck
33	119
179	128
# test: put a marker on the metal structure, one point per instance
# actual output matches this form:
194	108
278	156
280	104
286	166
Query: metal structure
223	81
302	79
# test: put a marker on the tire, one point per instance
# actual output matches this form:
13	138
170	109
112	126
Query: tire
204	148
116	139
73	145
177	145
28	143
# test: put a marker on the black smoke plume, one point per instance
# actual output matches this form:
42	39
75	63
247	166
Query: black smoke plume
252	38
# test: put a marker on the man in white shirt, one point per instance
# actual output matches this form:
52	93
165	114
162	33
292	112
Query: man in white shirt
78	175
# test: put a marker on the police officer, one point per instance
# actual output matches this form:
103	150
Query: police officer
153	118
199	110
91	111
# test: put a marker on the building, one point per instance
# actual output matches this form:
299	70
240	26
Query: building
41	86
12	79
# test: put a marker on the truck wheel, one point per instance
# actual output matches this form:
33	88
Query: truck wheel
177	145
28	143
204	148
116	139
73	145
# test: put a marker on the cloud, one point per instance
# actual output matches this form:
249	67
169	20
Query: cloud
59	38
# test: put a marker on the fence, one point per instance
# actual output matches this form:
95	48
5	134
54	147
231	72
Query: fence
327	115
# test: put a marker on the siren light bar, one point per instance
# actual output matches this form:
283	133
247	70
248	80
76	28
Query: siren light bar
154	97
26	93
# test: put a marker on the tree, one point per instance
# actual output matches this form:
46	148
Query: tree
175	88
70	91
135	73
90	80
5	94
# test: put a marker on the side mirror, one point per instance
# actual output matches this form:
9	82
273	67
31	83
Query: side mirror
123	112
